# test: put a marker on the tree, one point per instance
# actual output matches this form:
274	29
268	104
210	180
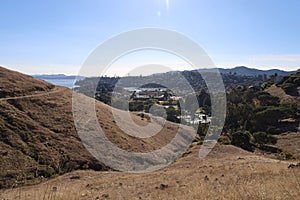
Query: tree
242	139
191	104
120	103
172	114
157	110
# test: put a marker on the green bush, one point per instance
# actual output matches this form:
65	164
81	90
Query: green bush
242	139
264	138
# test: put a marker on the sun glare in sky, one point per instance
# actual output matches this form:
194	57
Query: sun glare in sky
56	36
167	5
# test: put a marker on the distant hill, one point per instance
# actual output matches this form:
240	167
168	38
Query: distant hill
245	71
231	78
152	85
56	76
60	79
240	70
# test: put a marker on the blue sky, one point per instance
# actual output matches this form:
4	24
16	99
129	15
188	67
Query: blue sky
57	36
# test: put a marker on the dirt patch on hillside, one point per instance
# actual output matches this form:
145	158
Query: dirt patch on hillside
279	92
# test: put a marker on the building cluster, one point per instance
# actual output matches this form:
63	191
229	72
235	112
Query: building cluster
197	118
160	94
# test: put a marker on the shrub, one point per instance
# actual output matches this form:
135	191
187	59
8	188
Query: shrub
224	140
242	139
264	138
285	154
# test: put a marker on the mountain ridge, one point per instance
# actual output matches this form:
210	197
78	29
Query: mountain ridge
246	71
240	70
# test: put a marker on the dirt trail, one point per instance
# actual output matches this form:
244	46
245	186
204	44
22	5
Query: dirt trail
56	89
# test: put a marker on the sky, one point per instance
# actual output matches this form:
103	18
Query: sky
52	37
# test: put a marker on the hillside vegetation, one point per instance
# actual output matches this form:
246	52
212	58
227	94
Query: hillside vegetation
256	118
290	84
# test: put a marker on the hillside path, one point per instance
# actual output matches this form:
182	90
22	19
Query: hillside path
56	89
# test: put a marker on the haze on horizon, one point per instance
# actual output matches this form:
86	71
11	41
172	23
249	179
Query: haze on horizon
56	37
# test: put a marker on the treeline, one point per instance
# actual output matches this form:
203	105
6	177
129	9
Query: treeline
104	84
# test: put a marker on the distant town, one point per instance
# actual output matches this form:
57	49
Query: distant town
141	97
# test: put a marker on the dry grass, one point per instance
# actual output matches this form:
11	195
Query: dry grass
14	84
290	141
227	173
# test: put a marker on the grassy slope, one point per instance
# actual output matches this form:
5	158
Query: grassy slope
38	137
226	173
